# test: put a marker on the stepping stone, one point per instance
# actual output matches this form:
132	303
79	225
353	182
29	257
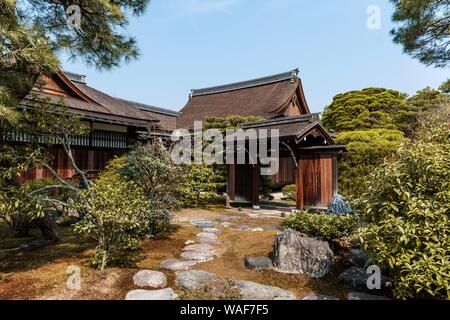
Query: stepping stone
177	265
149	278
241	227
271	228
189	242
197	256
228	218
163	294
206	235
314	296
194	279
255	291
257	229
258	263
212	230
226	224
203	223
364	296
199	247
210	241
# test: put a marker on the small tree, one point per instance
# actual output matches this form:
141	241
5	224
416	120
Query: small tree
117	214
200	185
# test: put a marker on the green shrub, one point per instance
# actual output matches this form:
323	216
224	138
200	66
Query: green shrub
408	206
199	186
366	150
117	215
323	225
290	192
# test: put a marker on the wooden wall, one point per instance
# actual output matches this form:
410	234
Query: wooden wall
286	174
316	180
244	183
89	160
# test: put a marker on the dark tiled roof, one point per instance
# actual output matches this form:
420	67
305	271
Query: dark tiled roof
260	97
291	127
246	84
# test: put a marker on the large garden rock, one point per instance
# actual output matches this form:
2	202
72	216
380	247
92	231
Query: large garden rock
356	278
358	258
298	254
255	291
258	263
149	278
315	296
364	296
203	223
198	256
194	279
177	265
163	294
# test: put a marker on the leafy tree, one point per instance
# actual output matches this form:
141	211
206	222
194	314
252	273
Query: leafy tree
370	108
117	214
445	87
200	185
366	150
424	29
407	205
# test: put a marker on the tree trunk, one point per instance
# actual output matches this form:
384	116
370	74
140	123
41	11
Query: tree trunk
48	227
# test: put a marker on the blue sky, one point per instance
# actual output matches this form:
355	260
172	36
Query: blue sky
190	44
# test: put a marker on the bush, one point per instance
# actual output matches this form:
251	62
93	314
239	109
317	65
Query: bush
200	185
366	150
323	225
117	215
290	192
408	207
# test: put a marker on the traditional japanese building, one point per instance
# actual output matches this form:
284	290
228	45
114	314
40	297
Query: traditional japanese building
308	153
115	124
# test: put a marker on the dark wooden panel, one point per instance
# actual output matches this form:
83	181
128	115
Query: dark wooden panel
286	173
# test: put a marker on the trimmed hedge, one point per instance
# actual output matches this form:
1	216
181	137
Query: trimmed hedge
323	225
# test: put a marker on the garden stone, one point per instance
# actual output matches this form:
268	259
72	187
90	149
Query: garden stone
298	254
364	296
241	227
226	224
177	265
189	242
271	228
196	256
212	230
203	223
258	263
149	278
194	279
315	296
210	241
255	291
257	229
356	278
163	294
228	218
199	247
358	257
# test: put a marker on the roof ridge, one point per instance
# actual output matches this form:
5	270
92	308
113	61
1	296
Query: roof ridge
246	84
312	117
156	109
